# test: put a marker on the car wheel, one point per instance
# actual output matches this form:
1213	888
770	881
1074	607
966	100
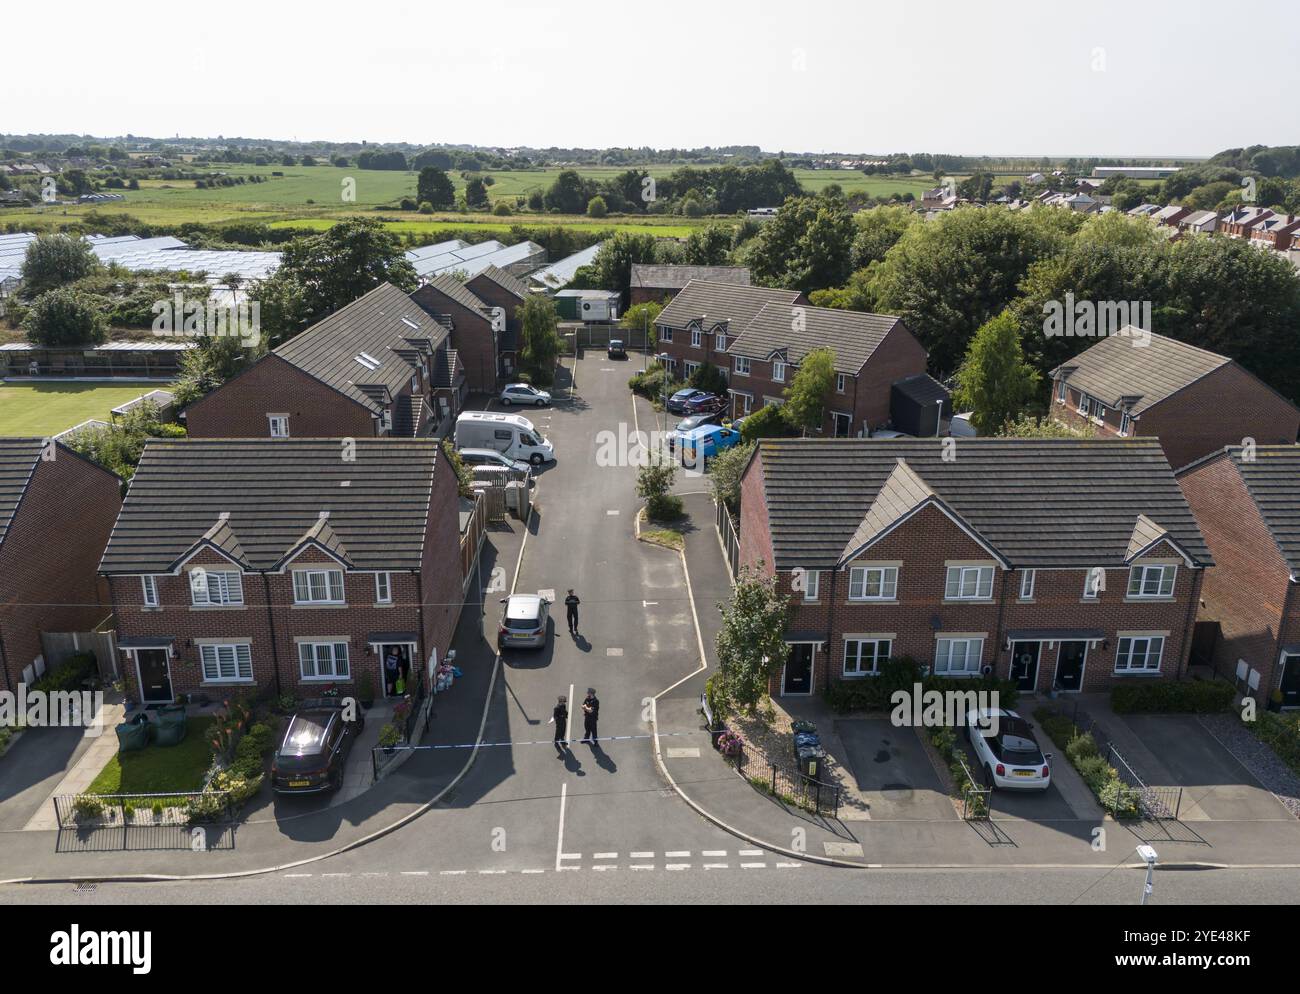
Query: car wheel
536	459
541	403
506	401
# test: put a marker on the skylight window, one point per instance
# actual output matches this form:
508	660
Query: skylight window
410	324
370	362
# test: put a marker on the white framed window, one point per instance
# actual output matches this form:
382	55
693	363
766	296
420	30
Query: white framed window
863	656
742	365
812	584
383	588
279	424
1098	411
318	586
1027	578
386	420
209	588
323	661
691	367
841	382
958	656
1094	582
778	371
665	334
150	585
228	663
1084	401
697	338
1125	423
415	383
1152	581
968	583
720	342
1060	391
1139	653
873	583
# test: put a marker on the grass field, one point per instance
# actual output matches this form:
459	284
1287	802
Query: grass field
159	769
39	410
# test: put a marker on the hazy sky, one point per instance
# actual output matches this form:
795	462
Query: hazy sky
1138	77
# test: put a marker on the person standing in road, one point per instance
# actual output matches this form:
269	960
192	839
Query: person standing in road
571	611
590	715
560	719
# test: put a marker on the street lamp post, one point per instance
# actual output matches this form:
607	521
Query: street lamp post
1148	856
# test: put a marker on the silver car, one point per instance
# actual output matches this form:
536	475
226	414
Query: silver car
523	393
517	469
523	622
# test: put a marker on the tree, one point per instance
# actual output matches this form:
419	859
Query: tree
435	188
642	318
654	480
476	194
751	643
119	446
56	260
539	340
321	273
65	316
596	207
725	472
613	263
766	422
808	245
709	246
806	396
878	230
208	365
709	377
568	194
994	381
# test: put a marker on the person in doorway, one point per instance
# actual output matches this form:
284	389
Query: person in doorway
590	715
404	666
571	611
560	719
392	669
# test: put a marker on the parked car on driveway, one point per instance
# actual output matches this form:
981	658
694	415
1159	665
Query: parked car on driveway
617	350
703	443
519	469
315	747
523	622
692	401
1005	747
523	393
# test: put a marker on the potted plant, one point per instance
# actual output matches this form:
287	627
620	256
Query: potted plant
1275	700
366	691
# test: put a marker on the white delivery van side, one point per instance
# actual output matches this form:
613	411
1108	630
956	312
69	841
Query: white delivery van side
510	434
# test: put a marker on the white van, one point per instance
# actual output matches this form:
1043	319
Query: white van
510	434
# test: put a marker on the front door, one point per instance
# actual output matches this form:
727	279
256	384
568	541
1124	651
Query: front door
798	670
1291	682
1069	665
155	676
841	424
395	663
1024	665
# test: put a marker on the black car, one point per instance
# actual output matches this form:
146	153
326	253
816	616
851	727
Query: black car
315	747
694	421
616	349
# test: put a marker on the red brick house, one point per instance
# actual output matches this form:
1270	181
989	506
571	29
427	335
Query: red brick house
1248	505
498	288
56	511
284	565
1276	232
380	366
658	284
1240	221
476	330
1193	400
1073	563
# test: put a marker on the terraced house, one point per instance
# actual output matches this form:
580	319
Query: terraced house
1066	563
476	328
1193	400
284	566
379	367
1247	502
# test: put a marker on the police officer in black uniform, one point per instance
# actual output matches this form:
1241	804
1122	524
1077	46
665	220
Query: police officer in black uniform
571	611
590	715
560	719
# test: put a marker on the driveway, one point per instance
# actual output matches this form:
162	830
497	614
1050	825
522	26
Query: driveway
33	767
892	770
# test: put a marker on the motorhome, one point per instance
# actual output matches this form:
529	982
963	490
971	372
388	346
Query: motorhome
510	434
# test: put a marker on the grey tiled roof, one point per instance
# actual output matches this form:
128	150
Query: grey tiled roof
449	286
274	491
675	277
1116	368
721	302
507	282
446	369
922	389
18	458
1273	479
1036	502
798	330
381	324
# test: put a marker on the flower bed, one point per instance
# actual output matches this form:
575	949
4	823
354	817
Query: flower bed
1081	750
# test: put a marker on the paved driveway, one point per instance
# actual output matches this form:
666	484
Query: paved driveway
33	767
892	770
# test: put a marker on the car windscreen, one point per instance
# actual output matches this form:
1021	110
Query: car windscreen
527	439
305	736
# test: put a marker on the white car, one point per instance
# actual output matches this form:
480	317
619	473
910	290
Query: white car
1005	747
523	393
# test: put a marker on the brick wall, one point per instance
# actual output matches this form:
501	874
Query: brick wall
441	571
650	294
49	558
900	355
1246	591
495	295
239	409
471	336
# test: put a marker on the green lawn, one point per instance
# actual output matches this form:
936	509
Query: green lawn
47	408
159	769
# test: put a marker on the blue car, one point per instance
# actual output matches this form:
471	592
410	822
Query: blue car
698	445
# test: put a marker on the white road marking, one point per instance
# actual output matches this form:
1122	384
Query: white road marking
643	855
788	866
642	866
571	855
564	794
715	866
487	873
605	855
684	753
681	854
415	873
649	603
749	852
568	725
714	852
297	874
604	866
612	651
677	866
452	873
612	512
753	866
532	871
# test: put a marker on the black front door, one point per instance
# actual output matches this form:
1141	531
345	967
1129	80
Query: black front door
1069	665
1291	682
798	670
1024	665
155	677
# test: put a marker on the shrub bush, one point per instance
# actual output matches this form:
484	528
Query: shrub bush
1081	747
874	693
1171	697
1281	733
69	676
